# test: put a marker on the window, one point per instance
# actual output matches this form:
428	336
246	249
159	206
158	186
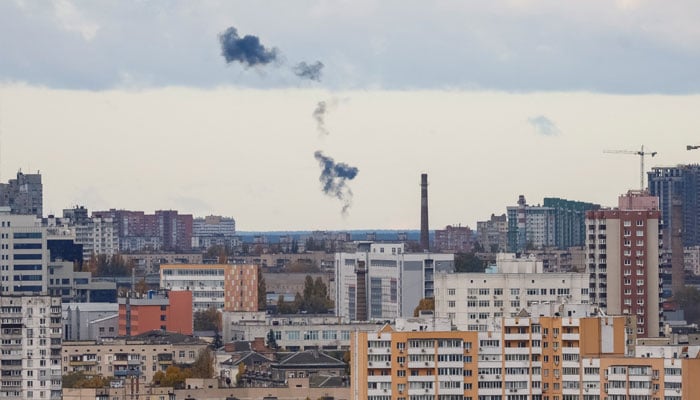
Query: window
451	292
451	304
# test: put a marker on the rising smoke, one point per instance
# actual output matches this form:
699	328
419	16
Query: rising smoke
334	177
247	49
320	117
309	71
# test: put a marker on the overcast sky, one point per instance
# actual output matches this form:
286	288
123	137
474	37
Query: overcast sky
131	104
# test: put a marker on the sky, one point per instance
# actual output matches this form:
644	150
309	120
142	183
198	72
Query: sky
148	105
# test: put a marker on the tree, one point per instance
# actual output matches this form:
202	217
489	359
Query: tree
271	341
102	265
203	366
207	320
262	291
172	377
239	375
218	252
283	307
469	262
141	286
80	380
425	304
688	299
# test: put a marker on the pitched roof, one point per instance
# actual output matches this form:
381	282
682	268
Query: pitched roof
311	358
249	359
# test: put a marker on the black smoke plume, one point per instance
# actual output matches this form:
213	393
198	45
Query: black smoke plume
309	71
247	49
320	117
334	177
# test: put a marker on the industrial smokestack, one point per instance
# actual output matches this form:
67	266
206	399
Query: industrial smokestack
424	230
361	292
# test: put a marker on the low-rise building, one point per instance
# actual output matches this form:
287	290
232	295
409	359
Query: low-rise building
472	300
168	311
90	321
140	356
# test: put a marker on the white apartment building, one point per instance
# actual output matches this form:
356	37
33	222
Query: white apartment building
380	281
214	230
472	300
30	365
98	236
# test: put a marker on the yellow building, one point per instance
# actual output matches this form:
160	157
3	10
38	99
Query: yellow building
527	358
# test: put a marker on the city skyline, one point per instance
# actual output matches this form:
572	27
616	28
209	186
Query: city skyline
168	124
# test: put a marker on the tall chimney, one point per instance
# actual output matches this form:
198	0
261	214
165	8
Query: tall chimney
361	292
424	230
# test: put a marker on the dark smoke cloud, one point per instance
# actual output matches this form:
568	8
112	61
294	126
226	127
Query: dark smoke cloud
309	71
247	49
334	177
320	117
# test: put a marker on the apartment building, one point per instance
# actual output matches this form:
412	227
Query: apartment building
140	356
214	230
454	239
472	300
25	256
23	195
681	182
233	287
380	281
530	227
30	365
165	230
169	311
295	332
493	233
524	358
623	260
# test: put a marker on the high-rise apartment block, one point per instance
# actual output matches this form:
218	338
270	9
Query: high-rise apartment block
214	230
454	239
523	358
569	221
493	233
30	365
530	227
623	260
165	230
230	287
681	182
25	256
558	223
381	281
24	195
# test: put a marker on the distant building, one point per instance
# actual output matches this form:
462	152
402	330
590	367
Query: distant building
214	230
380	281
171	312
530	227
493	233
454	239
569	221
150	262
623	260
90	321
26	256
165	230
683	182
24	195
233	287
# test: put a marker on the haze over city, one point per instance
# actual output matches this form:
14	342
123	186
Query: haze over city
135	105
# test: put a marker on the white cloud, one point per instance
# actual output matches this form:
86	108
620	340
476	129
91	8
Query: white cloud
73	20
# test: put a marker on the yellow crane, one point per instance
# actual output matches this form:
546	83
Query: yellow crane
641	153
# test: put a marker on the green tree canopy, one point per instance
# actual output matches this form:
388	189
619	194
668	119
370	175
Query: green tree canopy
469	262
203	366
208	320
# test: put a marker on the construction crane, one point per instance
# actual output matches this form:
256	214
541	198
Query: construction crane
691	147
641	153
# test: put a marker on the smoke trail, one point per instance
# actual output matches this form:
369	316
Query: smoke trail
309	71
334	177
320	117
544	126
246	50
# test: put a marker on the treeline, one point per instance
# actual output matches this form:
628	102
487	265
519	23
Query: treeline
314	299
